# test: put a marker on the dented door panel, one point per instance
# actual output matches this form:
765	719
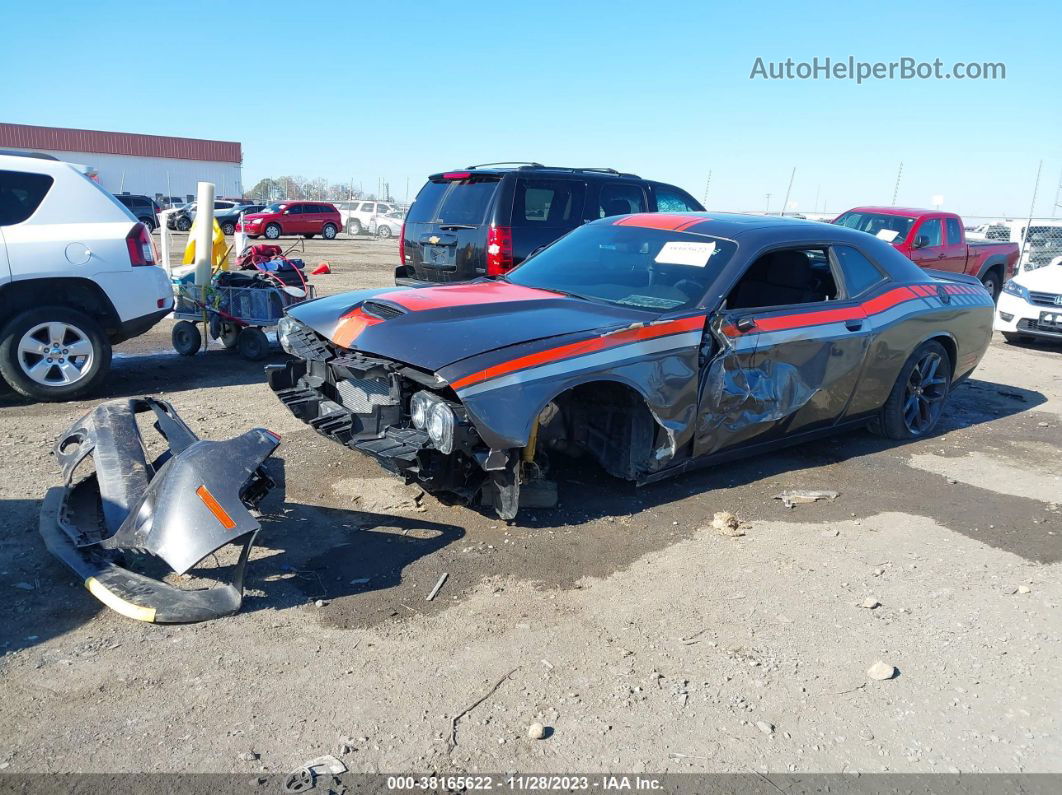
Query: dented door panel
781	372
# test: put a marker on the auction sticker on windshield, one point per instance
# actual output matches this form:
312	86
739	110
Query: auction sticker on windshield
888	235
680	252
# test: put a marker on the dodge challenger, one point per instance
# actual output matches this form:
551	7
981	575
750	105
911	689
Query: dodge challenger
652	342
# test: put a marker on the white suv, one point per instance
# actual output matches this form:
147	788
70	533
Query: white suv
77	275
356	215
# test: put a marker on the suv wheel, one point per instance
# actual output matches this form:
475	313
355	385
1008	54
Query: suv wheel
328	232
272	231
53	353
148	222
353	227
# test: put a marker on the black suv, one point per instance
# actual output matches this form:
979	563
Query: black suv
485	220
144	208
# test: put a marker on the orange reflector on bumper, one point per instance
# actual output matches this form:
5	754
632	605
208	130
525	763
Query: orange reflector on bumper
215	507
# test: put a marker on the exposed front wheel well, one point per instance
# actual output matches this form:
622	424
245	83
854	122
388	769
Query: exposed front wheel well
609	420
80	294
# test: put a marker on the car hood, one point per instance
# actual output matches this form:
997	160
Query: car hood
1047	279
432	327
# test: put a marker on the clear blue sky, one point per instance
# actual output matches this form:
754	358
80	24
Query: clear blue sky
399	90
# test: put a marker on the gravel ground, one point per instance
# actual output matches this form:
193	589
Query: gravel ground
642	639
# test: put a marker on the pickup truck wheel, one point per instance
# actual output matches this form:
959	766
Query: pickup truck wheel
53	353
272	232
328	232
991	283
917	399
354	227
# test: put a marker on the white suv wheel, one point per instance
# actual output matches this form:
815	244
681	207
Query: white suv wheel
55	354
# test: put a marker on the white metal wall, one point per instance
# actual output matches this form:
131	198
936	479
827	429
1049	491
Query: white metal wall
151	175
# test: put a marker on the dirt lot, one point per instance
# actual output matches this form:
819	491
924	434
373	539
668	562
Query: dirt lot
643	639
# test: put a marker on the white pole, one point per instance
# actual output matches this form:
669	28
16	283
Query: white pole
204	232
787	192
1028	224
164	239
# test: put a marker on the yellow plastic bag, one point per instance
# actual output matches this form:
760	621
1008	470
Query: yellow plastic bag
220	249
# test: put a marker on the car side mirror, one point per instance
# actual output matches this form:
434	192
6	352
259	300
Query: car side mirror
921	241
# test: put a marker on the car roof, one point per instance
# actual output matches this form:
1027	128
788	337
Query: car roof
734	226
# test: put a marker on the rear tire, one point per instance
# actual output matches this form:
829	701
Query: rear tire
25	366
383	232
253	343
328	232
148	222
186	338
917	399
993	284
272	232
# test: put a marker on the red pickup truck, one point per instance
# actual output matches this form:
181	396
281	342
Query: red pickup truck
933	239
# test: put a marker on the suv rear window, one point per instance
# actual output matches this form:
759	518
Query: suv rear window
20	195
427	200
548	202
464	203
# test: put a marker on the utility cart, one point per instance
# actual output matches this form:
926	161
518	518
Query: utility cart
234	313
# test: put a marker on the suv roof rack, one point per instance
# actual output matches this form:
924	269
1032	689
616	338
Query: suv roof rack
37	155
532	164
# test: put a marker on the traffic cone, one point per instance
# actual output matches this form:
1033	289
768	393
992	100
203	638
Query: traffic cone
322	268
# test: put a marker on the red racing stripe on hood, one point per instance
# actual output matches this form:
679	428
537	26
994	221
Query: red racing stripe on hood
592	345
493	292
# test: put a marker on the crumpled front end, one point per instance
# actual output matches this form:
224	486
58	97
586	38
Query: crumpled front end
408	420
177	507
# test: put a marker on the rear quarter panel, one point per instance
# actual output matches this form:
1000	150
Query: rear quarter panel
965	320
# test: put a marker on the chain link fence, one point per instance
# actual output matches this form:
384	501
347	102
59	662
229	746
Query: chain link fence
1039	239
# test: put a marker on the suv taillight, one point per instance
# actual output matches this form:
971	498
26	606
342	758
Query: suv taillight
402	244
499	250
141	249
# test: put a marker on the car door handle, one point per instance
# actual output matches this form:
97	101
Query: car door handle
854	324
746	324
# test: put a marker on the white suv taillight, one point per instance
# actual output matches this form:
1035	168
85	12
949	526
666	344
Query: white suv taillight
141	249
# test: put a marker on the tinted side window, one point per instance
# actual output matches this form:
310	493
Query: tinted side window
427	200
548	202
467	201
20	195
620	200
295	209
954	232
859	272
931	230
672	200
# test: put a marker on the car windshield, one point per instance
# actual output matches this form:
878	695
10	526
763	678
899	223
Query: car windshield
889	228
650	269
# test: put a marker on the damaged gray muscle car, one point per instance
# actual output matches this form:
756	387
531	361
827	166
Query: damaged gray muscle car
654	342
